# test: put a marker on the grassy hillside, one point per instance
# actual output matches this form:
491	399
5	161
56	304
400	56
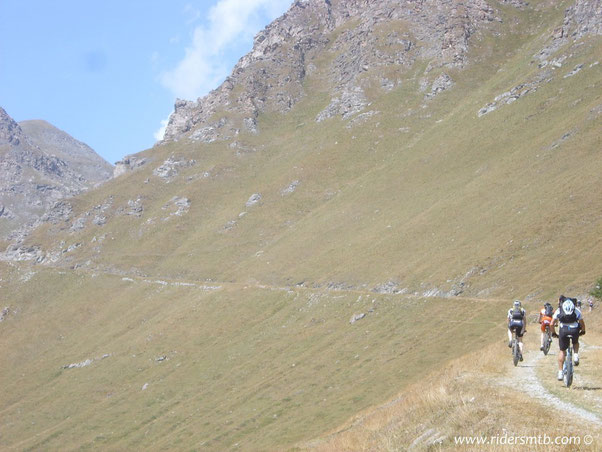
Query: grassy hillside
211	322
424	193
176	365
456	402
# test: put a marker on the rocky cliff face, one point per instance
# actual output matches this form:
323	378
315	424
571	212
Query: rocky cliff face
362	36
40	165
370	34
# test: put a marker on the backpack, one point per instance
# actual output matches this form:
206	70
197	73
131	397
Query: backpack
517	314
563	318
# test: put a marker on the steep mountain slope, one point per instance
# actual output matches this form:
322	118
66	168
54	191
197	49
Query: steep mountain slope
416	162
79	156
40	165
453	181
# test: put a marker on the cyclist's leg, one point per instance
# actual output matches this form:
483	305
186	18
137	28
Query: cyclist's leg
576	349
563	344
509	337
519	336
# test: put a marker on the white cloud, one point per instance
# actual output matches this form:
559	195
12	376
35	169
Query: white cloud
193	13
161	131
206	62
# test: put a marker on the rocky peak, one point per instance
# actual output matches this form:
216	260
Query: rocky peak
77	155
10	132
362	37
40	165
271	76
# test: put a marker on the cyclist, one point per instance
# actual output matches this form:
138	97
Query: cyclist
545	319
517	321
571	323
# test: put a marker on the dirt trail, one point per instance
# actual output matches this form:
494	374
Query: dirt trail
524	377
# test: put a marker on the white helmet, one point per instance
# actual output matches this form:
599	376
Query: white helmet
568	307
517	304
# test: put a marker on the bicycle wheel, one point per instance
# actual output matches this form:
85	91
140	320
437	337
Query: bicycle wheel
568	366
547	340
515	351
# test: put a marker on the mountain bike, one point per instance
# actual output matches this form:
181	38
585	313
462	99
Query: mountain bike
567	368
515	348
547	340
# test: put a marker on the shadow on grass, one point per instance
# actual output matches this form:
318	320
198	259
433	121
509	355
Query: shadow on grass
587	388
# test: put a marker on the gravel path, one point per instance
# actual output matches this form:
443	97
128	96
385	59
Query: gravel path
526	374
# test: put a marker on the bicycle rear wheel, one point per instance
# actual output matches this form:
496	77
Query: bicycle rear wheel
547	340
568	368
515	351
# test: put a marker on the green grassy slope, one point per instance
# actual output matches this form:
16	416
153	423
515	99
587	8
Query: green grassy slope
423	193
258	367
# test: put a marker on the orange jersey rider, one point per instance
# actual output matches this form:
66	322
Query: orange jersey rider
545	319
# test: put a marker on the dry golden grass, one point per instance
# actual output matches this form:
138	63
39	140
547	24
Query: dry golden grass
471	397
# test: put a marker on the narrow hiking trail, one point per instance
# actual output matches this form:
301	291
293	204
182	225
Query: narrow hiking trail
215	285
524	377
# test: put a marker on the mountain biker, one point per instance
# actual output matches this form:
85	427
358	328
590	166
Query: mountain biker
571	323
545	319
517	321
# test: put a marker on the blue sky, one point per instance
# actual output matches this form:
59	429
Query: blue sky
108	72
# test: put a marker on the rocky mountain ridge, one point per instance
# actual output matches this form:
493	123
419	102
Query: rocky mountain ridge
39	166
77	155
271	77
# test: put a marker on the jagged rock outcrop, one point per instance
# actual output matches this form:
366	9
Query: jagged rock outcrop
39	166
171	167
128	164
10	132
271	76
581	19
177	206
